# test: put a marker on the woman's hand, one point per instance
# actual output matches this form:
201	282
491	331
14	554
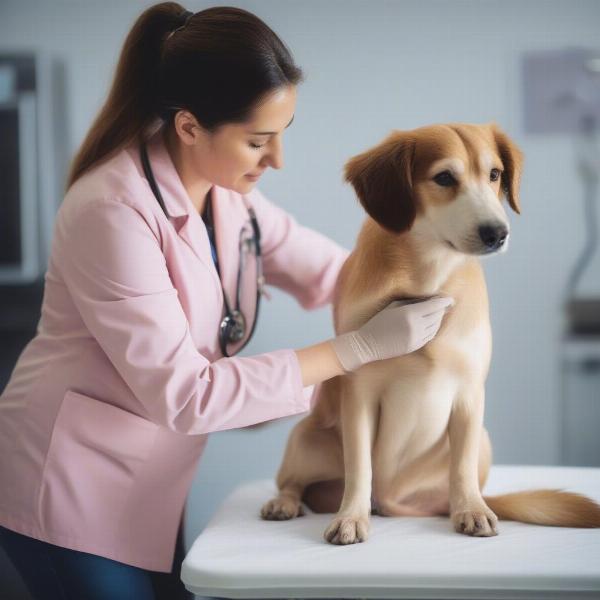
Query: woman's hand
400	328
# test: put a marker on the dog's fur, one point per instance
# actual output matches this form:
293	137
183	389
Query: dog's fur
405	436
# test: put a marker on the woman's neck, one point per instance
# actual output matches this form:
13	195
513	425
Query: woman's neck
196	188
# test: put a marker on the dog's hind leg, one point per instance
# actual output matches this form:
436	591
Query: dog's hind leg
312	455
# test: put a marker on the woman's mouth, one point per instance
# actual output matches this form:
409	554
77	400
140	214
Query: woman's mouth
254	177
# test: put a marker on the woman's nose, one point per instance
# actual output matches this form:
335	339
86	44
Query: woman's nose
275	156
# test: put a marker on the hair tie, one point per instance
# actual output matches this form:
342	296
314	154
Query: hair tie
186	15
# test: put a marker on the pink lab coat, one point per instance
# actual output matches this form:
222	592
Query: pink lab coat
107	411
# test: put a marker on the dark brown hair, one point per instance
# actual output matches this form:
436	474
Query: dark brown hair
217	63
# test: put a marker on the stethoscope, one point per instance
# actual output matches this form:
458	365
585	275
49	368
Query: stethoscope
233	326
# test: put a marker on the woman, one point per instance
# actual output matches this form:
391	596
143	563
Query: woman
108	409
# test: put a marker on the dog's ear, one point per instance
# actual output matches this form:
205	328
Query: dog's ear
512	161
382	179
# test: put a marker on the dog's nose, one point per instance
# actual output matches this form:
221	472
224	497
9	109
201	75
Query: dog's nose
493	236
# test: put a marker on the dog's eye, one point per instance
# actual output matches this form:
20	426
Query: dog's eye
445	179
494	174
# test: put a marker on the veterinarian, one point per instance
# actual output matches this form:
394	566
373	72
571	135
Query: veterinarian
161	250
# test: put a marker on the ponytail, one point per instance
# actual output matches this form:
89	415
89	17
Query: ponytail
218	64
131	104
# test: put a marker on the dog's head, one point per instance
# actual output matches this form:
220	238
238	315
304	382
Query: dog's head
446	180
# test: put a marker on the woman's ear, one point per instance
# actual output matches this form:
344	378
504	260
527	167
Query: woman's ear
382	179
512	161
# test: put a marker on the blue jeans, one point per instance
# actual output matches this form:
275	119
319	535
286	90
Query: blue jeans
55	573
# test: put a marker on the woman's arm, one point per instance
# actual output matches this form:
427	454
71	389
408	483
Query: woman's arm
306	264
112	265
318	363
297	259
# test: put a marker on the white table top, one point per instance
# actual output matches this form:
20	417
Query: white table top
239	555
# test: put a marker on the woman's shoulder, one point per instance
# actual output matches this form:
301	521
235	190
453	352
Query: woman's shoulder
116	179
111	197
117	176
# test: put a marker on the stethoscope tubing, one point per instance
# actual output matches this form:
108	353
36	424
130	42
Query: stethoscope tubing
229	315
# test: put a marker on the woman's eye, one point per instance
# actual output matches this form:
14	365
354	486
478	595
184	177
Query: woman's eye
494	174
444	179
256	146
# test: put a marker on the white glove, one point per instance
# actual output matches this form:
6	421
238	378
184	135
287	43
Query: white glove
401	327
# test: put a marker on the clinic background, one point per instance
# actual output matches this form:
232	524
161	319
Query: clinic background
371	67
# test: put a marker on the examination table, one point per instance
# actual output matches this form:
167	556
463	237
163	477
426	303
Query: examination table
239	555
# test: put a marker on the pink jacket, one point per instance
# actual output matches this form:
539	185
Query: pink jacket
107	411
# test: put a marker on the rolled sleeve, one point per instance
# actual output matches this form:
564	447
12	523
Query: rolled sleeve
117	276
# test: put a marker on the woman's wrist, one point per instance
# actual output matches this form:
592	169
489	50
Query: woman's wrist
318	363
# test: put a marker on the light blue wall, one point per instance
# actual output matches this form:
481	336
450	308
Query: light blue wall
371	67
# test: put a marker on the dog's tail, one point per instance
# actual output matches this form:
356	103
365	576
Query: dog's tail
546	507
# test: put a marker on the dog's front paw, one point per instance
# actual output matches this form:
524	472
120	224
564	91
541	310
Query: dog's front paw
478	521
347	530
281	508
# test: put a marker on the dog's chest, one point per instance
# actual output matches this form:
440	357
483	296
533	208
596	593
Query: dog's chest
465	350
420	389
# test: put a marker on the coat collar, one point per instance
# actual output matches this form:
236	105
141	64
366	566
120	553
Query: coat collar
228	211
175	196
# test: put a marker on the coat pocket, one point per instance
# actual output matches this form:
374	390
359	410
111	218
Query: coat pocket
96	452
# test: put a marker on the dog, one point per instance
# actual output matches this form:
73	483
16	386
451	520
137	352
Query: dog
405	436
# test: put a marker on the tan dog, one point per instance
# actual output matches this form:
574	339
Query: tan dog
405	436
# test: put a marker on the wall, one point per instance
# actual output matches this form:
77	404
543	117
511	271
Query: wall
372	67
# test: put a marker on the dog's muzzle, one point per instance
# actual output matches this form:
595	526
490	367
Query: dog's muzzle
493	236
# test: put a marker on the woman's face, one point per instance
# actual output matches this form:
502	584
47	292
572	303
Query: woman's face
237	154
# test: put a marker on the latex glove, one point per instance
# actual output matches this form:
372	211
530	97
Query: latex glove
403	326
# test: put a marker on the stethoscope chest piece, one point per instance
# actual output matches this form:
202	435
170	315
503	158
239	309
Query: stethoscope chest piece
234	326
